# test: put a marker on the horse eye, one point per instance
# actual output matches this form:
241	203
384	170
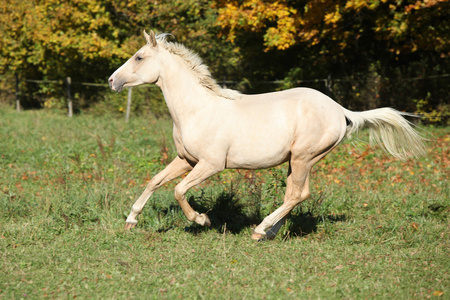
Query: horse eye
138	58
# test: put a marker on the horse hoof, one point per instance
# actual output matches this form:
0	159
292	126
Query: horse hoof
129	226
203	220
259	237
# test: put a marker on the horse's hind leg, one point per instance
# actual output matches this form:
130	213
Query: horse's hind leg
297	190
175	169
272	232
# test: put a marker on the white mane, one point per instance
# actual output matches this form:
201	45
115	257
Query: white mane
195	63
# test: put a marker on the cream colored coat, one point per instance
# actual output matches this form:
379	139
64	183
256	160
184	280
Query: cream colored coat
217	128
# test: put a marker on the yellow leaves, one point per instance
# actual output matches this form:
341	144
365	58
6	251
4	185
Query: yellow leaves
392	7
253	15
60	27
279	39
333	17
360	4
438	293
284	25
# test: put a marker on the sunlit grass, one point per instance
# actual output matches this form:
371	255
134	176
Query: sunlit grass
375	227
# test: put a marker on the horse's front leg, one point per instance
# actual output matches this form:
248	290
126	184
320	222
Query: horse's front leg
201	171
175	169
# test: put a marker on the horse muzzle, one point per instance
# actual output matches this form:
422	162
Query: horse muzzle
115	85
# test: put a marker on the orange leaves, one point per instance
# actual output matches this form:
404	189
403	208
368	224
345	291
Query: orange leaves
422	4
285	25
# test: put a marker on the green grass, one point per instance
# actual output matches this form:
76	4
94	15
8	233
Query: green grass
374	227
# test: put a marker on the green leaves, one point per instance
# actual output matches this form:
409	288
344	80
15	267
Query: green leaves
241	41
58	36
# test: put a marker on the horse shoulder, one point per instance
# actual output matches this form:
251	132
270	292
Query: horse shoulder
179	145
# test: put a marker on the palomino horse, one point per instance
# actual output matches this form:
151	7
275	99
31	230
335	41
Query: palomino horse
216	128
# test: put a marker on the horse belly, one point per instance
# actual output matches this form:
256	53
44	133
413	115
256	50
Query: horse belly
253	153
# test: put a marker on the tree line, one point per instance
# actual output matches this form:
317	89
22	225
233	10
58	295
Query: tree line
370	53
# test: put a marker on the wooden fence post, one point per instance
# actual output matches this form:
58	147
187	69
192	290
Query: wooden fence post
127	114
17	93
69	97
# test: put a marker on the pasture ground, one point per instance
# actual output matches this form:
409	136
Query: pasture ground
374	228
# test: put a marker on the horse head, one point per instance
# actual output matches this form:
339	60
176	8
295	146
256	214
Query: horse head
142	67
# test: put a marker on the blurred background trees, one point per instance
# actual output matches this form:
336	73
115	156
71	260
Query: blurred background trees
362	53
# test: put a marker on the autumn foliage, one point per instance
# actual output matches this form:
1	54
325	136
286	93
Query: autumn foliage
364	53
404	26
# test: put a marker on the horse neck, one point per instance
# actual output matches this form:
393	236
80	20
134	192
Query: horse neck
183	94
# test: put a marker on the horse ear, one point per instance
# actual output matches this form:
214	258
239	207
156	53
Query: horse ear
151	39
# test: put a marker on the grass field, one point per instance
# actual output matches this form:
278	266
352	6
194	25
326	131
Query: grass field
374	228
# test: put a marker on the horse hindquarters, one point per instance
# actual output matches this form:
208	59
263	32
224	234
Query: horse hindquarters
323	131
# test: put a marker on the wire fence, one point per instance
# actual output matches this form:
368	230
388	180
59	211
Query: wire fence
323	84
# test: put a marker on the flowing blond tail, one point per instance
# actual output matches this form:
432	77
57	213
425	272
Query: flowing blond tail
388	128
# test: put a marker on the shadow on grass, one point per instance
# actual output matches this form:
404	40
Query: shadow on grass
305	223
226	212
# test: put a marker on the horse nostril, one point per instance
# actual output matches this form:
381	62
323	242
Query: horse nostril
111	80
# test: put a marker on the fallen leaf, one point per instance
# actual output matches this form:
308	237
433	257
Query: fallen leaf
438	293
